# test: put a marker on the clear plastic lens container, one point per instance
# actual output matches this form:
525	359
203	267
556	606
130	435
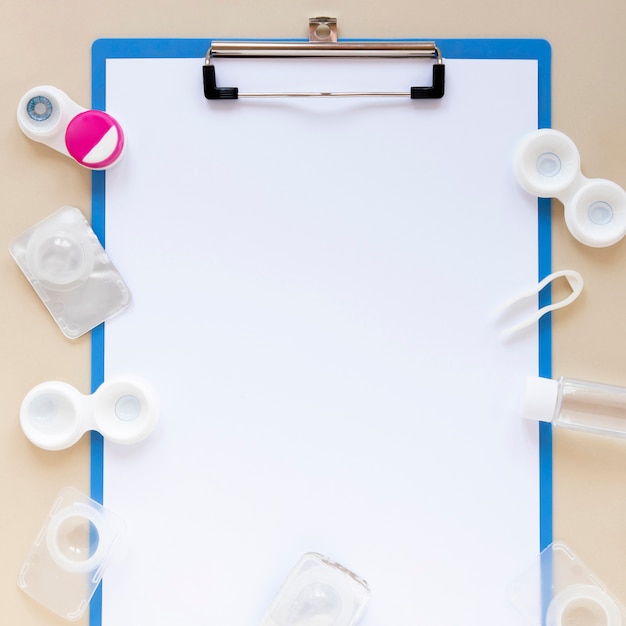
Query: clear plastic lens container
69	269
560	590
318	592
69	555
577	404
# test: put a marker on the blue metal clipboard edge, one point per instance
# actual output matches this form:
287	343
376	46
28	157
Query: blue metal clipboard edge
529	49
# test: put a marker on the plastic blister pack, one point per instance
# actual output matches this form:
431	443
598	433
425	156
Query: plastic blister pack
55	415
560	590
70	271
318	592
69	555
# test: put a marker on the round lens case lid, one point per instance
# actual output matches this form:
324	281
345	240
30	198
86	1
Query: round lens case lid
95	139
54	415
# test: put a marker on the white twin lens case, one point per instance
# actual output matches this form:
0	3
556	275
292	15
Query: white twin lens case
70	271
318	592
69	555
560	590
547	165
55	415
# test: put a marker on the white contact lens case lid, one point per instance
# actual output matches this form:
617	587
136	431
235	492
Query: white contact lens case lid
70	271
55	415
560	590
70	554
546	163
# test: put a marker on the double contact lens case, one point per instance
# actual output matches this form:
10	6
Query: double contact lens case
547	164
54	415
93	138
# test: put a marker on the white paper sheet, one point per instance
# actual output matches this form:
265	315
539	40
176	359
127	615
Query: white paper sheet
313	282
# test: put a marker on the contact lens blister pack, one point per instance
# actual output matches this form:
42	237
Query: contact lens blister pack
318	591
560	590
69	555
70	271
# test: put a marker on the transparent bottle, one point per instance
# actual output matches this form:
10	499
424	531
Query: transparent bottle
577	404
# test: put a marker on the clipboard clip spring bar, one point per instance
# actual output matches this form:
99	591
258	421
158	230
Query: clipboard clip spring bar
323	44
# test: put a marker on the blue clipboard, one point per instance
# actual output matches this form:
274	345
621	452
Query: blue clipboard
490	49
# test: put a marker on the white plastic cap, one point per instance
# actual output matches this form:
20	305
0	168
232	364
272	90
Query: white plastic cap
540	399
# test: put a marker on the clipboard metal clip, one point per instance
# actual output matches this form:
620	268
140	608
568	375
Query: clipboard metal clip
323	43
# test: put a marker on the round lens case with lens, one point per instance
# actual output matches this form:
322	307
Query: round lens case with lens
70	554
93	138
560	590
55	415
70	271
547	164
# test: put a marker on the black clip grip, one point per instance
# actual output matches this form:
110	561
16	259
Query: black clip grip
212	91
437	89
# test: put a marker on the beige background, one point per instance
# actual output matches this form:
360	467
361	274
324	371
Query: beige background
48	42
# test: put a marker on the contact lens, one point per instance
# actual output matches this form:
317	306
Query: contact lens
39	108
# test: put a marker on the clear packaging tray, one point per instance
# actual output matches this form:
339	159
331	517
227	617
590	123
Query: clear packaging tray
70	271
560	590
318	592
70	553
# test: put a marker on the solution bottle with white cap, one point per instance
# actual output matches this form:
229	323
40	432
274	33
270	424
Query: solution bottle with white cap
576	404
